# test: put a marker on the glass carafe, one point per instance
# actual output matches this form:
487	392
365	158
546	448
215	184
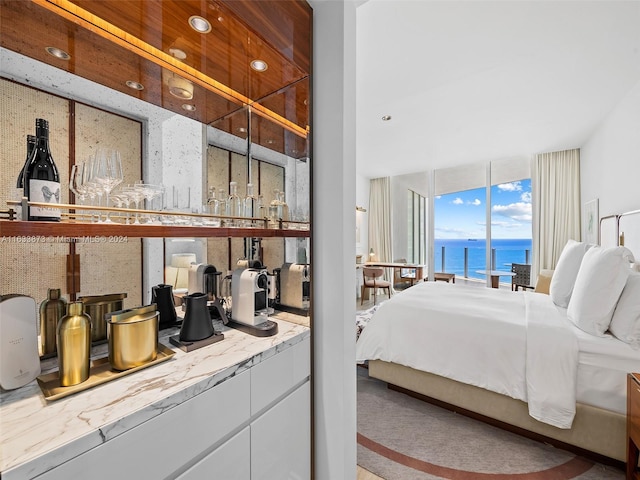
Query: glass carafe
251	208
234	206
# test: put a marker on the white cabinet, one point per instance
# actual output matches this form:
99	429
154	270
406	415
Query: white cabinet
168	442
280	439
276	376
230	461
254	425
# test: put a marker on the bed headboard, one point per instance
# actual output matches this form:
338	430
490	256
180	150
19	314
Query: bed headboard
621	229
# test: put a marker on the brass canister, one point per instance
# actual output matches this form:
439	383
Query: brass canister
51	311
98	307
133	337
74	345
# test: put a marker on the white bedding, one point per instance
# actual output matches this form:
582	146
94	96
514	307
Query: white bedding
517	344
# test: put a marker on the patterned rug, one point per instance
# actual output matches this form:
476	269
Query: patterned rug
403	438
363	317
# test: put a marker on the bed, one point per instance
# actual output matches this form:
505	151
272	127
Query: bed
548	365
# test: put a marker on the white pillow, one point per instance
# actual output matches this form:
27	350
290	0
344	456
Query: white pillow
601	278
566	272
625	323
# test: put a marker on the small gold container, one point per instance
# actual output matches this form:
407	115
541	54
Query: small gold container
133	337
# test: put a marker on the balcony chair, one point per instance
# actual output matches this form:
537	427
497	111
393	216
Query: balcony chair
372	278
522	276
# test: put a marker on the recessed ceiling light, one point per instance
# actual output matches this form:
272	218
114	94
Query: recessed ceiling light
259	65
386	118
177	53
199	24
134	85
180	87
188	107
56	52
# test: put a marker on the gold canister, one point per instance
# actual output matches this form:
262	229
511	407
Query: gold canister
133	337
74	345
51	311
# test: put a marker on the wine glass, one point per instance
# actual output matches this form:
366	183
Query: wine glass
108	173
136	196
76	182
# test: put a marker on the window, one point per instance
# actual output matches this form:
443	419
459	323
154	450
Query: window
416	222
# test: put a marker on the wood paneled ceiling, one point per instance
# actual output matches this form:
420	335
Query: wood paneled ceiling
150	41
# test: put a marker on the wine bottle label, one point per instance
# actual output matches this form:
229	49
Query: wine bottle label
44	191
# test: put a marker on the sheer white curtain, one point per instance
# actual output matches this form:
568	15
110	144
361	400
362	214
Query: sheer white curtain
555	188
380	239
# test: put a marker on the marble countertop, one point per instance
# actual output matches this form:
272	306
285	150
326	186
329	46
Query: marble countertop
37	435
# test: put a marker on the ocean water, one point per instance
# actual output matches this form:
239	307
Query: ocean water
508	251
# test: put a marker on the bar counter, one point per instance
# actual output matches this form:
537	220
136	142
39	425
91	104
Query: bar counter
37	435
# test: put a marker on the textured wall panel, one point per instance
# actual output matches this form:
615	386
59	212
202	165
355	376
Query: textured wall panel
31	266
115	265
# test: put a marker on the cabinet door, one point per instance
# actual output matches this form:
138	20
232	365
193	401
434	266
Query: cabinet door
281	439
272	378
228	461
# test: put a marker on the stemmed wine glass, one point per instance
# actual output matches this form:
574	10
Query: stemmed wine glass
135	194
108	173
76	182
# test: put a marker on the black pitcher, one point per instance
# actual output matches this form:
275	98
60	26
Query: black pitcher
197	324
162	296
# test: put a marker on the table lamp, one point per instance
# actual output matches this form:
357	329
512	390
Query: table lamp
181	263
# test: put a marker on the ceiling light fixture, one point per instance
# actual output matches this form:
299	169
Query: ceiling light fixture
180	87
386	118
134	85
177	53
56	52
259	65
199	24
188	107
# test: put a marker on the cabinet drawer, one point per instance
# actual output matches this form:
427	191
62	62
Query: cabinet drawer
232	459
274	377
168	442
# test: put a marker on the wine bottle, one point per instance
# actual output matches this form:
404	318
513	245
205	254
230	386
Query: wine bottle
40	177
31	144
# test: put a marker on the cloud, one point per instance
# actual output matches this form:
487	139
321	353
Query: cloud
476	202
526	197
519	211
457	201
510	187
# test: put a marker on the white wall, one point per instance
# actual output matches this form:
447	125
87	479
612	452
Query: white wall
610	160
333	239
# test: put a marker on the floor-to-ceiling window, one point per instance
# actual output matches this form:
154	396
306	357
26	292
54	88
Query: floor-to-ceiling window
476	229
417	225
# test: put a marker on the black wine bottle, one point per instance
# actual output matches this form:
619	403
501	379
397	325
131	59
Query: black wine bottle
40	177
31	144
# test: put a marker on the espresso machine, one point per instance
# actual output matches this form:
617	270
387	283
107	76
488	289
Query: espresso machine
203	279
249	302
294	288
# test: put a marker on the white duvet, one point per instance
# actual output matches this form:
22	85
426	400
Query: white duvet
514	343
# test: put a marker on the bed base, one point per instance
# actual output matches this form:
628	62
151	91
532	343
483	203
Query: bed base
594	430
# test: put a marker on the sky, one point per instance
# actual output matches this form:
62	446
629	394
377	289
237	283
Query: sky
463	214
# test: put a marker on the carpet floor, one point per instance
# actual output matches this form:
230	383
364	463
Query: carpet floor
403	438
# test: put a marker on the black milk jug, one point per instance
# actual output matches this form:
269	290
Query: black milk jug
197	324
162	296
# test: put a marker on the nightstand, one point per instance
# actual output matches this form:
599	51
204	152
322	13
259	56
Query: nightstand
633	425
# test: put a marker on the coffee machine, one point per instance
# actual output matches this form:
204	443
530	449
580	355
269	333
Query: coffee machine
294	288
249	304
199	276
